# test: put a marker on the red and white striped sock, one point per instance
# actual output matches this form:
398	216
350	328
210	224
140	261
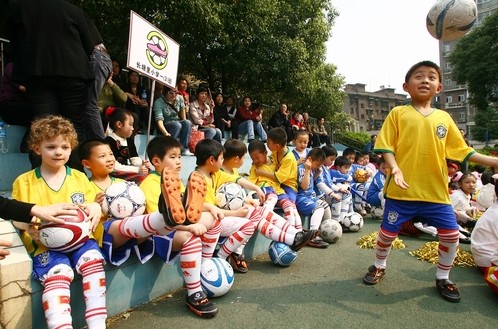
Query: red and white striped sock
55	298
190	263
447	249
236	239
144	226
210	240
94	291
384	242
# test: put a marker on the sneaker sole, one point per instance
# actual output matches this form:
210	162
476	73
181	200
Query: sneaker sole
205	315
194	197
171	193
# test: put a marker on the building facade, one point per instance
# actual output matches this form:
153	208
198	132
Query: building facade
454	97
369	109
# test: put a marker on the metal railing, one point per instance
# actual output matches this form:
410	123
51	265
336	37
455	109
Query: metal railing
2	52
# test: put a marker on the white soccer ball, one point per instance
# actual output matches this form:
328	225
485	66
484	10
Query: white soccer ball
281	254
230	196
216	276
66	237
448	20
330	230
377	212
123	199
352	222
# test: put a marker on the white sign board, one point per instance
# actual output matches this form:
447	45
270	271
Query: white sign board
151	52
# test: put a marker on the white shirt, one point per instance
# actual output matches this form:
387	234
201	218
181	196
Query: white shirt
484	238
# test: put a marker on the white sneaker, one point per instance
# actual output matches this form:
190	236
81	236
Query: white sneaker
187	152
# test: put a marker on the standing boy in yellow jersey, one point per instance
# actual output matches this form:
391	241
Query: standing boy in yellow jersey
416	140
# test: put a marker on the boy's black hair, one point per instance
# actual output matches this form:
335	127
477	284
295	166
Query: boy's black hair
202	88
86	147
487	178
300	133
234	148
423	63
160	145
207	148
329	150
348	151
257	145
316	154
357	156
278	136
479	168
342	161
380	160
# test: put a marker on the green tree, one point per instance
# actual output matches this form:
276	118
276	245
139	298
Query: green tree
475	63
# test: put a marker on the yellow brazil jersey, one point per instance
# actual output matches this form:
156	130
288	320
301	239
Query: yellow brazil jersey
263	181
151	186
286	169
31	187
217	179
421	144
98	234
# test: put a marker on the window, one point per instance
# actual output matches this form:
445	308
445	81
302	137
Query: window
448	82
461	116
449	99
461	98
446	48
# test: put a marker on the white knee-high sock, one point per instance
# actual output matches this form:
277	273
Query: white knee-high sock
190	263
94	291
144	226
447	249
55	298
384	242
210	239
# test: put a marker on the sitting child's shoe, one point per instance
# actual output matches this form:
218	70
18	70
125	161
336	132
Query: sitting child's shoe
373	275
170	201
238	263
448	290
302	239
200	305
193	200
318	242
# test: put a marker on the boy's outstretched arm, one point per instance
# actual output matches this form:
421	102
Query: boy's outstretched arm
485	160
395	171
245	183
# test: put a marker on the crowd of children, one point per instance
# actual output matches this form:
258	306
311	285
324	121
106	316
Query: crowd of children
184	222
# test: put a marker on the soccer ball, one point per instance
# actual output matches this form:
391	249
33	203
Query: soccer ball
352	222
123	199
330	230
377	212
216	276
448	20
66	237
230	196
360	175
281	254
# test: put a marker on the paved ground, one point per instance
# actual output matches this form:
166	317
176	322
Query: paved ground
324	289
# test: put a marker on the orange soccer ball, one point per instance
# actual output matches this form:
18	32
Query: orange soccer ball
360	176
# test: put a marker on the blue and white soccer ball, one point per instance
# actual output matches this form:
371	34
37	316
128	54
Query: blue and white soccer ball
216	276
281	254
230	196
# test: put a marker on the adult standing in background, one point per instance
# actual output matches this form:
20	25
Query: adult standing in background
370	145
51	45
101	65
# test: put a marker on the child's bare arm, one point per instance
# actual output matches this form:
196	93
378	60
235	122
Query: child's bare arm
395	171
264	173
253	187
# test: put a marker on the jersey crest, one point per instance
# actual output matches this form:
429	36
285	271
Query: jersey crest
78	198
441	130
